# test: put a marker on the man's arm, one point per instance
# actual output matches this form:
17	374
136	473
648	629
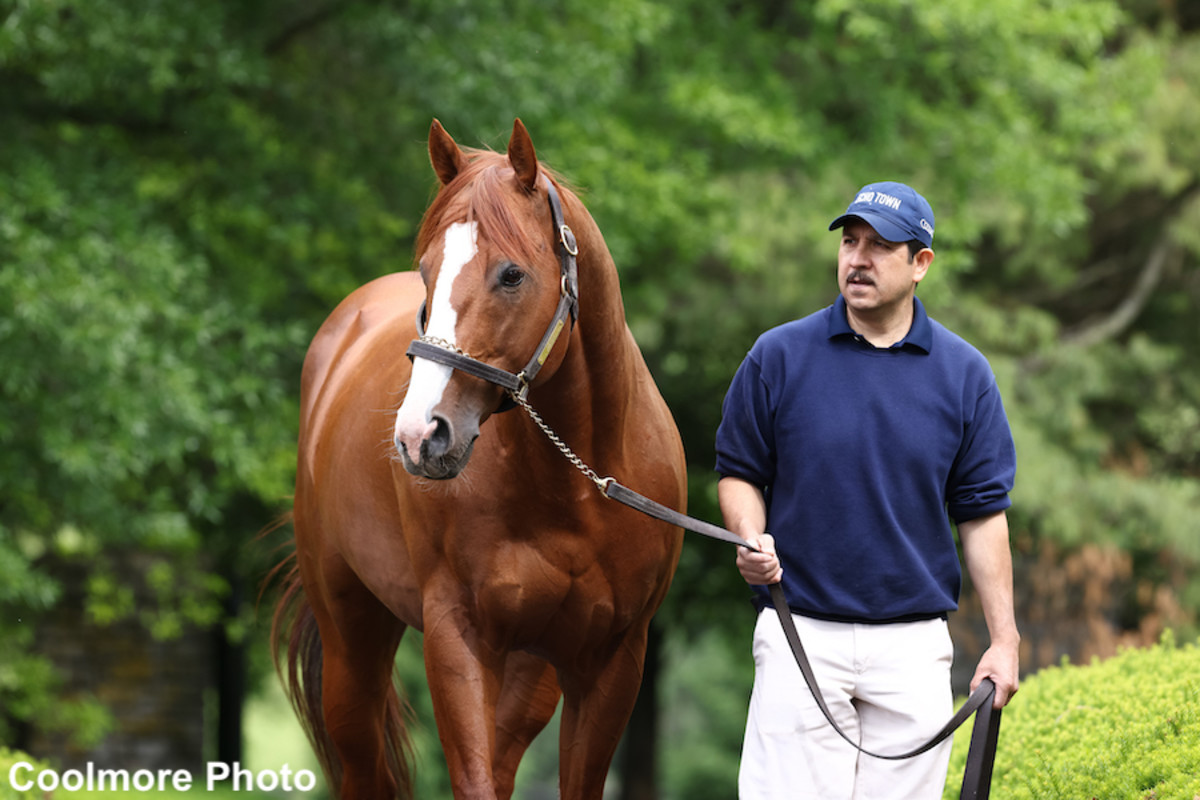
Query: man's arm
989	563
745	511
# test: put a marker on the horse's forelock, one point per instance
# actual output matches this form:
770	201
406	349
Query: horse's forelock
482	193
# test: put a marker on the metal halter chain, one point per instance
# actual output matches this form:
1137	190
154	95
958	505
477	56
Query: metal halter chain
601	483
444	344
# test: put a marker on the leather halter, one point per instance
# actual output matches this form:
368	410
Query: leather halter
517	384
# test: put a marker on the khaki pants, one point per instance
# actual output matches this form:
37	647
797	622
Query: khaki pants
886	685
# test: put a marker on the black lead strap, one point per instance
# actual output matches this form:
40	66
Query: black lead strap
981	755
982	694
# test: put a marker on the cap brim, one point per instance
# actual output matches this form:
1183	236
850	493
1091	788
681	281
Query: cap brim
884	227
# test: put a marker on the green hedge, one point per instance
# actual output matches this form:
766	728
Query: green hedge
1128	727
7	759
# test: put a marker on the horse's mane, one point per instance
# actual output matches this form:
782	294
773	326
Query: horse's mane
480	193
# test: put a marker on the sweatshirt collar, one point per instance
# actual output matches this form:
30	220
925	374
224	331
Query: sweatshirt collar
920	334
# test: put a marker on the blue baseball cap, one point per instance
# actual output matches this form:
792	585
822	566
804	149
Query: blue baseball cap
894	210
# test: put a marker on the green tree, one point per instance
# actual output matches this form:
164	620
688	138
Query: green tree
188	189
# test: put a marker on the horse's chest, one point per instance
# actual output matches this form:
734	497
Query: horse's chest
543	599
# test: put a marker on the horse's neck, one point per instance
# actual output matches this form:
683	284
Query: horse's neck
609	354
598	383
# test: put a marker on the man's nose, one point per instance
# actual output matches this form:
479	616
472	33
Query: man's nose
859	256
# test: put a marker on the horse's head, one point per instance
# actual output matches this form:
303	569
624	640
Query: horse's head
495	291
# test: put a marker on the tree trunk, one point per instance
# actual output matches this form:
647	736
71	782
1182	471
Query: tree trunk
231	678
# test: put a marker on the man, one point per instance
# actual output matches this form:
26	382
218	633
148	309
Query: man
852	435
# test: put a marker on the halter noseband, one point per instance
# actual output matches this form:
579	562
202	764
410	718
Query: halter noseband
517	384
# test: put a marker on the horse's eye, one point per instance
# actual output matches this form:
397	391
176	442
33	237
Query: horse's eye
511	276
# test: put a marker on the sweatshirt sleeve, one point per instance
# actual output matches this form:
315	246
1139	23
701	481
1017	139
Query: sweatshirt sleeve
745	438
986	466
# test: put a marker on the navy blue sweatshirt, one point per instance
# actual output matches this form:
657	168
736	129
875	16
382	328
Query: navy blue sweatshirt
864	455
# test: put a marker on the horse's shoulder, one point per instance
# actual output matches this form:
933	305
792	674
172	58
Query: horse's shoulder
380	299
380	302
384	308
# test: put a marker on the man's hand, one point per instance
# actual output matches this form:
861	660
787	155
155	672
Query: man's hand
763	567
1000	663
745	513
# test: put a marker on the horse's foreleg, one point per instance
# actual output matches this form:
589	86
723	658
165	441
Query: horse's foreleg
597	705
362	712
527	701
464	676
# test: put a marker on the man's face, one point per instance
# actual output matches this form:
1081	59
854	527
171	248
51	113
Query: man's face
875	275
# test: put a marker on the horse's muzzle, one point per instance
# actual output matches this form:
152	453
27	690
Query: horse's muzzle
435	452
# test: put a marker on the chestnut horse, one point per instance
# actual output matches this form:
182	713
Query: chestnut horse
465	523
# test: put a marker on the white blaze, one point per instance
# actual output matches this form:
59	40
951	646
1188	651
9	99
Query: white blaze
414	420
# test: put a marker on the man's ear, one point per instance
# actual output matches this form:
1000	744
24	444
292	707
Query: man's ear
921	262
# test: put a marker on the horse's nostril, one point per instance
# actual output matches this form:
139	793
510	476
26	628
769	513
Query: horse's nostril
438	442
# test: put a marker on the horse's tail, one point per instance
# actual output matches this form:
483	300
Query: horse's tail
294	630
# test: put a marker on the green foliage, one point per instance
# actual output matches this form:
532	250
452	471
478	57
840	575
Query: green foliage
7	759
702	728
1128	727
34	691
188	189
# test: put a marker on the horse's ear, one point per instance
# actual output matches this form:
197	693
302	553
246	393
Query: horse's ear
447	159
522	157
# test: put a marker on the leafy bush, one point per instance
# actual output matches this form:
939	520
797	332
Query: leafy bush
1125	728
7	759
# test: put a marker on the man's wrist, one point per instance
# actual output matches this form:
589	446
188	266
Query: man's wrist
1010	638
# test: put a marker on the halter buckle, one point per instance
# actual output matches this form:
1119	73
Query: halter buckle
522	390
567	237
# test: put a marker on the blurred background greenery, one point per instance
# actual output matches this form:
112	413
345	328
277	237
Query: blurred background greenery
186	189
